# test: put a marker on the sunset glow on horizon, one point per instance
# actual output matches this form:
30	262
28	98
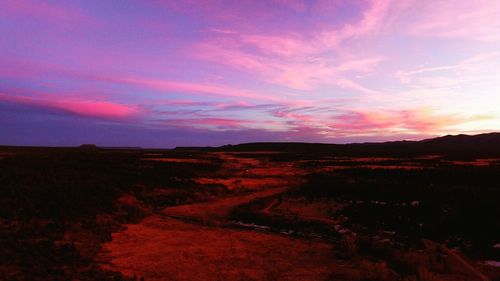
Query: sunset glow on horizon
198	72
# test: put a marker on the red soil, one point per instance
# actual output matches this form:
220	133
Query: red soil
177	160
168	249
216	211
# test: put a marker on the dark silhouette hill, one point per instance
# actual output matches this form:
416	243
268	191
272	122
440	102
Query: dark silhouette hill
482	145
88	146
465	140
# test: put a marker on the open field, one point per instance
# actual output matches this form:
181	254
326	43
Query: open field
240	213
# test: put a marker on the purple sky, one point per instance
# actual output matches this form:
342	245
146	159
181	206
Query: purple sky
167	73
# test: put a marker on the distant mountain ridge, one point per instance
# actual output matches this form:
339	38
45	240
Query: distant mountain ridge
488	138
482	145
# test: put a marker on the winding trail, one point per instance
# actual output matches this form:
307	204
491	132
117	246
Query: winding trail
216	212
174	245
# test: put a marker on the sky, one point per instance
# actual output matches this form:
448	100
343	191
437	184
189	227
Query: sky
155	73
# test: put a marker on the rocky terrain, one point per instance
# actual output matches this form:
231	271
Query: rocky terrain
252	212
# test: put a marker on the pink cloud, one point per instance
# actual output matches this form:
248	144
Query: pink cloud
387	122
349	84
361	122
78	106
376	17
190	87
470	67
473	20
301	61
281	45
97	108
426	120
32	70
213	105
301	71
380	123
208	123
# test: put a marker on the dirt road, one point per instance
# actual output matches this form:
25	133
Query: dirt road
217	211
166	246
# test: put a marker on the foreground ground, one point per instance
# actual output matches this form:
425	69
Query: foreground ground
97	214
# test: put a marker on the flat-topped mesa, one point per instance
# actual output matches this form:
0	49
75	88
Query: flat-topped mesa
88	146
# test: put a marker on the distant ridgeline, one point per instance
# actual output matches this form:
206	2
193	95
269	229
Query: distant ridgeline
483	145
93	146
